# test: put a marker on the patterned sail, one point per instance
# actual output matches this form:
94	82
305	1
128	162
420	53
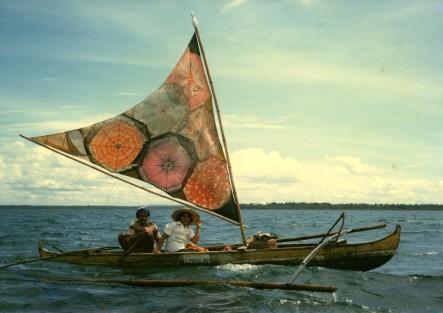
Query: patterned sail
169	140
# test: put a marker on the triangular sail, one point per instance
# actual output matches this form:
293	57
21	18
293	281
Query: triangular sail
169	140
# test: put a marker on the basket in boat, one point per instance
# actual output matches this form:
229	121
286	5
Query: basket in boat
263	244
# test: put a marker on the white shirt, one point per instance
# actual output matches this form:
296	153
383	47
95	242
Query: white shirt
179	236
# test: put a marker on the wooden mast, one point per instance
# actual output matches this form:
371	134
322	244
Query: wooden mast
237	202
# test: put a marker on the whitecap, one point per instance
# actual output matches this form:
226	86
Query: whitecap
412	278
284	301
426	253
237	267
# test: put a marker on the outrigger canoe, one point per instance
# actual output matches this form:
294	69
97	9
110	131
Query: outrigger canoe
171	142
338	255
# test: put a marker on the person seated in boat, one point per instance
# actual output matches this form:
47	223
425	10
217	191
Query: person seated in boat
142	234
179	234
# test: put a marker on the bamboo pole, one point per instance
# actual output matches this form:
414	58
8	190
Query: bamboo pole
237	202
54	256
314	251
354	230
30	261
184	283
128	182
313	236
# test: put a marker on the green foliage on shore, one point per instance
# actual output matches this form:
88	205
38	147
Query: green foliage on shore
342	206
272	205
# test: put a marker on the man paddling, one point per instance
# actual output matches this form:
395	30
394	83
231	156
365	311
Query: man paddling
141	235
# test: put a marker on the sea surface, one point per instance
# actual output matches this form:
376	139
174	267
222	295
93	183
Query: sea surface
411	282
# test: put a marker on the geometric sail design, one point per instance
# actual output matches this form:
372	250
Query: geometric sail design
116	145
208	185
168	162
169	140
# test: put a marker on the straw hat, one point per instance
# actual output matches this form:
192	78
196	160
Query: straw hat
195	216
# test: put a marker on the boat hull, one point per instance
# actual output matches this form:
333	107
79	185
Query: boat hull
359	256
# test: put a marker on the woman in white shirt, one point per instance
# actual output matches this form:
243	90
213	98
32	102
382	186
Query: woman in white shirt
179	234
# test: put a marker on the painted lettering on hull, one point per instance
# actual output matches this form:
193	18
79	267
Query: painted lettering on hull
198	258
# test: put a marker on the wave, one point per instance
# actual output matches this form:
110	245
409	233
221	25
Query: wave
425	277
432	231
237	267
430	222
343	304
426	253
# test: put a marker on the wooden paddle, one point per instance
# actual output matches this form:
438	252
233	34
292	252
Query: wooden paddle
131	248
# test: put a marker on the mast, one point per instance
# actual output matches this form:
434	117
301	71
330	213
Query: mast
225	146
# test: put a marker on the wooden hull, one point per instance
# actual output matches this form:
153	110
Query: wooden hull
360	256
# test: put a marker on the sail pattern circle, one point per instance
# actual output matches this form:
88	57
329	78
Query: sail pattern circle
208	186
190	76
116	145
163	111
168	162
201	129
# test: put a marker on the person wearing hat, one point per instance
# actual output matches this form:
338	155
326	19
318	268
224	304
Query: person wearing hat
179	234
141	235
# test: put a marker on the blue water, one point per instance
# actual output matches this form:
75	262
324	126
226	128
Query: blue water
411	282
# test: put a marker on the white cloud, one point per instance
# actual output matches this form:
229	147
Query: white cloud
249	121
266	177
278	65
306	2
33	175
49	127
232	4
5	112
71	107
128	93
354	165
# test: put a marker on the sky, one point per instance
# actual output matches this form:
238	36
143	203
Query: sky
321	101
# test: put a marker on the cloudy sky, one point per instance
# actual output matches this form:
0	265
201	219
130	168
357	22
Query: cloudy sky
322	101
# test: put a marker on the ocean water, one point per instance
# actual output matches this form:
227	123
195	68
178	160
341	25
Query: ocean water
411	282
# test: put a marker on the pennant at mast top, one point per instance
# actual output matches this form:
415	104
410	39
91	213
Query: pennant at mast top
169	140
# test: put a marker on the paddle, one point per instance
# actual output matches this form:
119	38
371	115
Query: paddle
131	248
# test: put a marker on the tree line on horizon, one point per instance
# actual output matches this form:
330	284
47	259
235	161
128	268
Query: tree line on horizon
341	206
272	205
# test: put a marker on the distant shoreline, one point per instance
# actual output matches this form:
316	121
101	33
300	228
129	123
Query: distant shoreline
345	206
277	206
